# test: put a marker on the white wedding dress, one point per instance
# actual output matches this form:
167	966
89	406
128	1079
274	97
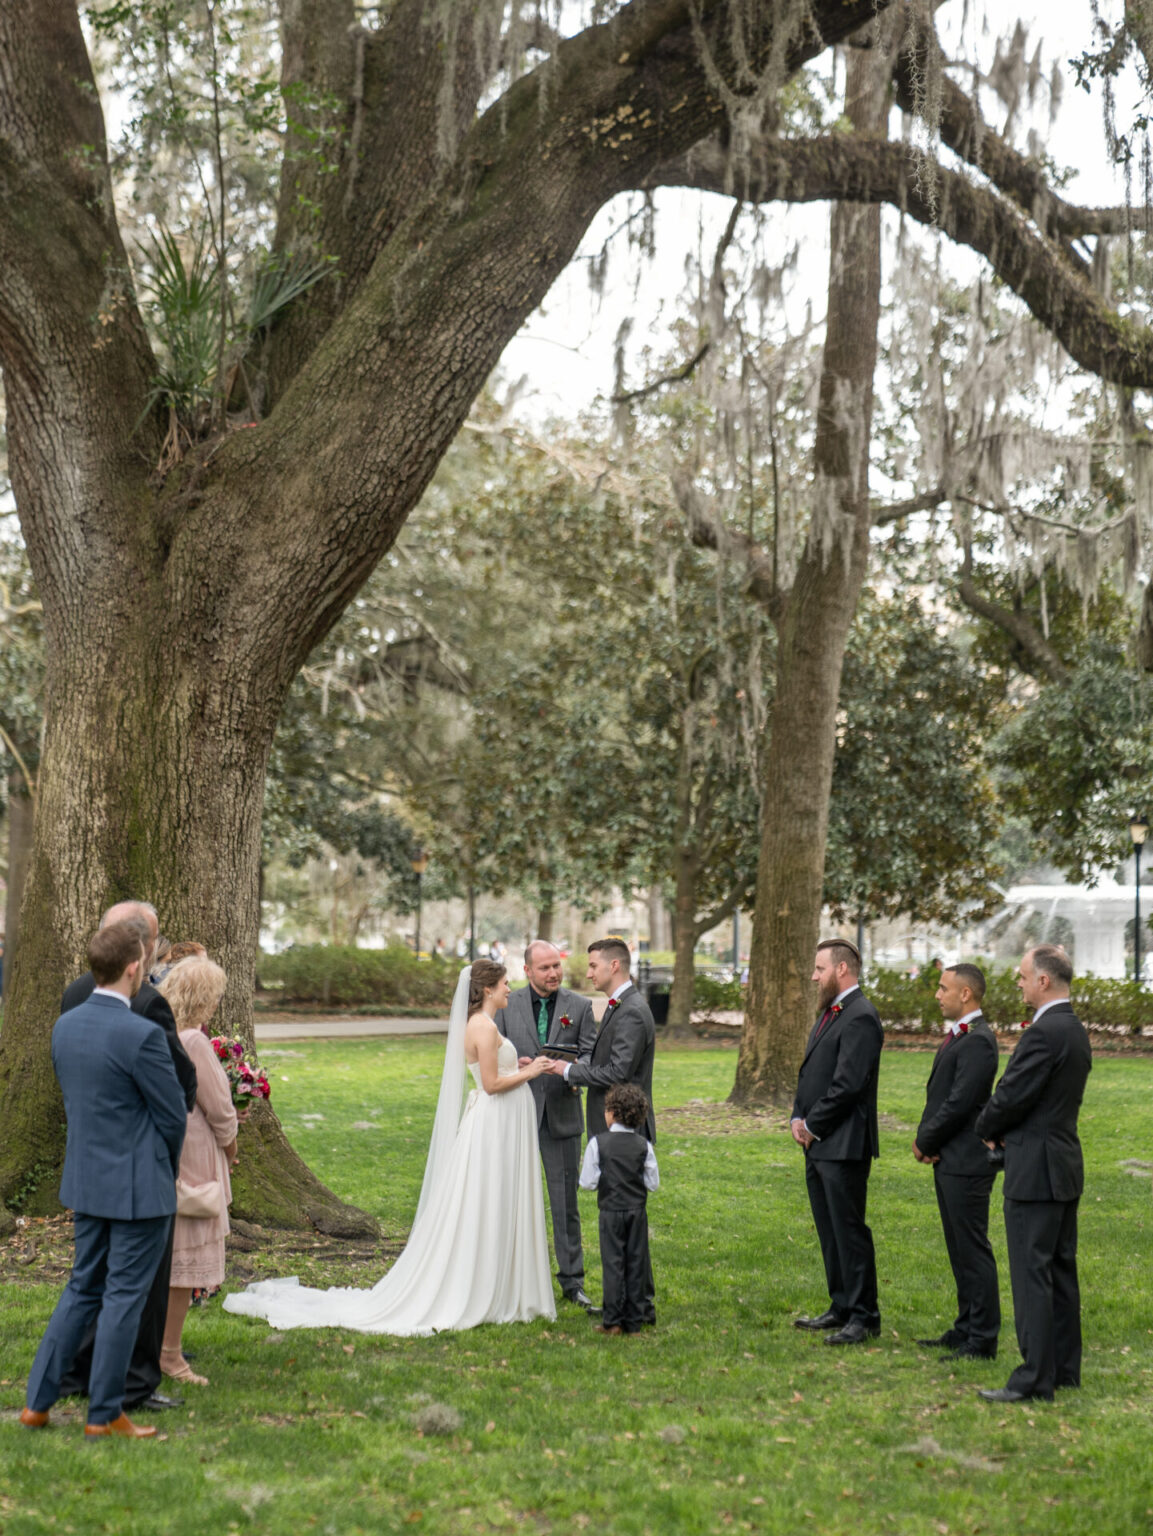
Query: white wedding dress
477	1252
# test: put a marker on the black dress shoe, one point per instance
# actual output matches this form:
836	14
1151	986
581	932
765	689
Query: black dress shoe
155	1401
972	1352
1007	1395
950	1339
853	1333
579	1299
829	1319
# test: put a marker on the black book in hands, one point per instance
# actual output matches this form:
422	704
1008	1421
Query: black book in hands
559	1052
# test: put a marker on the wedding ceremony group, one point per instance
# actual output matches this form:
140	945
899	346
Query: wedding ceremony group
152	1125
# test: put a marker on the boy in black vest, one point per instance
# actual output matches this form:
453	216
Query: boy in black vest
621	1166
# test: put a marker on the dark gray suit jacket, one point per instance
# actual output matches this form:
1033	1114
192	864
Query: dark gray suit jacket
1035	1108
837	1084
958	1089
623	1053
558	1106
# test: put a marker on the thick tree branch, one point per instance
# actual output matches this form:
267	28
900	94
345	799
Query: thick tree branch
1039	653
863	170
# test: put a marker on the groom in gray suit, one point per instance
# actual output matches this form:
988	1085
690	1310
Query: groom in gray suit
545	1013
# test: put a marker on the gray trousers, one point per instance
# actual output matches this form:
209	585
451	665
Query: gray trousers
561	1157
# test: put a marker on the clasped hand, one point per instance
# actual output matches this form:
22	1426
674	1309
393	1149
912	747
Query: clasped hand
801	1134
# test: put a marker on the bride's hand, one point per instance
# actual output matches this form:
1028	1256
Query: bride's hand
537	1065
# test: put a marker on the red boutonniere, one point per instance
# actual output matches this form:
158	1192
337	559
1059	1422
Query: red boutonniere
614	1002
962	1029
565	1021
836	1008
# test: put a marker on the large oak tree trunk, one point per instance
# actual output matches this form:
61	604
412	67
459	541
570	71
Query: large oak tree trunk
812	633
21	824
178	607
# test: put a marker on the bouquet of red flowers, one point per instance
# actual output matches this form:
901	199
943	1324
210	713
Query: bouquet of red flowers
246	1080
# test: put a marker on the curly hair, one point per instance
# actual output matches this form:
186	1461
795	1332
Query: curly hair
628	1104
194	989
485	975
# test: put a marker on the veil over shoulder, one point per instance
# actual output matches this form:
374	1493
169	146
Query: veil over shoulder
477	1252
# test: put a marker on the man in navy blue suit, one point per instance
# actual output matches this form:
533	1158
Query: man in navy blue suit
126	1119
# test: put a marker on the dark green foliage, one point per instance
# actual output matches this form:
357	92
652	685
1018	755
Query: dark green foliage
340	975
1102	1003
913	817
710	992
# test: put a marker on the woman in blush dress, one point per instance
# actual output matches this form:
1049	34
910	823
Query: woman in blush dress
477	1252
194	987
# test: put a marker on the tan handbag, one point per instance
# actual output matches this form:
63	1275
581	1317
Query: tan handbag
201	1202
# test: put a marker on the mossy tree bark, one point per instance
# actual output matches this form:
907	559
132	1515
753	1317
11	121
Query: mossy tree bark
178	608
813	628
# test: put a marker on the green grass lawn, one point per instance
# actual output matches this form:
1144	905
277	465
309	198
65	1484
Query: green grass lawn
724	1417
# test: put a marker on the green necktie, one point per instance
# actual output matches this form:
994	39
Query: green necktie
542	1022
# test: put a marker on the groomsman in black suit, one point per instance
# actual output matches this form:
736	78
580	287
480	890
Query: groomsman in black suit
959	1086
142	1388
545	1013
1033	1114
835	1121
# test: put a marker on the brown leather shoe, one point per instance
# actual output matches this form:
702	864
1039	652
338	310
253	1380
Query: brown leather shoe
600	1328
121	1426
33	1420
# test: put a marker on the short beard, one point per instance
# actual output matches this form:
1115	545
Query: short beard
828	991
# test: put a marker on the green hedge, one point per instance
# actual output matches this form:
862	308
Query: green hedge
1100	1002
341	976
908	1002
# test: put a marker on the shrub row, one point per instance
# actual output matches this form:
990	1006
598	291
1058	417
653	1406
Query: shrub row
906	1002
342	976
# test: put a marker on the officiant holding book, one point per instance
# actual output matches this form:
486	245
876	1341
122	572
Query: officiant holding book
546	1017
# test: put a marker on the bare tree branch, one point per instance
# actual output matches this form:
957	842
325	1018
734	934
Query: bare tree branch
1040	655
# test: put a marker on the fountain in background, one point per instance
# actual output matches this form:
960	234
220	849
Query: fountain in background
1098	915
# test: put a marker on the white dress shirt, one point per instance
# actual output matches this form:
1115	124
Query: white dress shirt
590	1174
109	992
1044	1008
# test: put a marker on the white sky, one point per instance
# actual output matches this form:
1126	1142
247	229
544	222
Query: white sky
565	350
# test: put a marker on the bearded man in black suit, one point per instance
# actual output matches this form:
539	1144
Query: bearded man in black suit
958	1089
1033	1115
142	1386
835	1121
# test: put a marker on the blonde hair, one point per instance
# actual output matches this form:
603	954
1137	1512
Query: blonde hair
194	988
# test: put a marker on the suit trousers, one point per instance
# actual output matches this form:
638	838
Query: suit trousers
561	1157
626	1269
144	1366
1042	1239
838	1193
114	1265
964	1207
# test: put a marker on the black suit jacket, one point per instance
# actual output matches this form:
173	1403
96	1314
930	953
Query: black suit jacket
150	1005
623	1053
1034	1110
958	1089
558	1106
837	1085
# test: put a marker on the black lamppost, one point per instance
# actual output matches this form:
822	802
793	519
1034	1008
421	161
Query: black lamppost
1138	831
419	863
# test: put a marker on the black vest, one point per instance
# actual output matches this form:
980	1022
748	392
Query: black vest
622	1181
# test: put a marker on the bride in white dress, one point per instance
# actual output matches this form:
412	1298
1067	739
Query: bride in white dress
477	1251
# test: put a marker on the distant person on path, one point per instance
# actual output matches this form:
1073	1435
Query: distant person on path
834	1120
126	1117
959	1086
194	987
621	1166
545	1013
1033	1115
142	1388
